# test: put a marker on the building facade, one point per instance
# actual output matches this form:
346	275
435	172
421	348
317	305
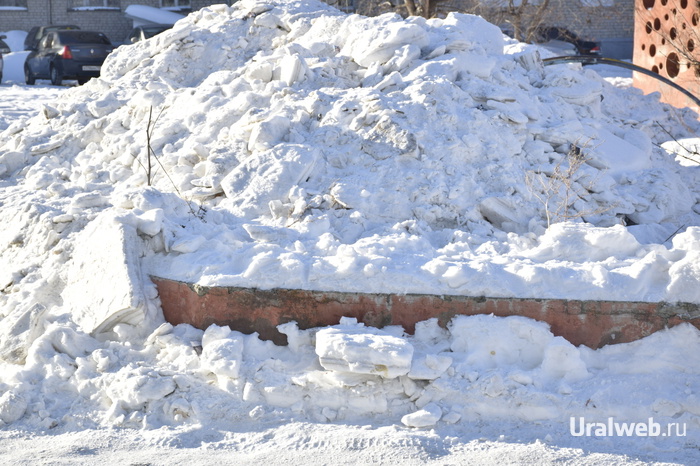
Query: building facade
106	16
609	21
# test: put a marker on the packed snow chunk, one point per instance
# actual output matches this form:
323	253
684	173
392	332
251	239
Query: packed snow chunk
188	244
291	69
268	133
616	155
104	281
584	243
430	367
426	417
268	176
562	360
222	351
134	387
63	340
352	347
19	329
373	41
487	342
685	273
150	222
12	407
466	32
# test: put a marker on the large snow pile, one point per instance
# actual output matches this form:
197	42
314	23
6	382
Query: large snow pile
295	146
289	145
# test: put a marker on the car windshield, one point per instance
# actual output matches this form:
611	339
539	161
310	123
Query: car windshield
149	32
83	37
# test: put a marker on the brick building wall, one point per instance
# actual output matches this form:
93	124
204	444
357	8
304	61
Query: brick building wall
599	22
612	26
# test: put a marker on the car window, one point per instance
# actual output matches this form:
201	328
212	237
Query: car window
152	31
83	37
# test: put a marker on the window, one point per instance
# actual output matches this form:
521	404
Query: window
176	4
93	4
13	4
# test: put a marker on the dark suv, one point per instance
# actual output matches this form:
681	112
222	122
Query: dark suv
67	55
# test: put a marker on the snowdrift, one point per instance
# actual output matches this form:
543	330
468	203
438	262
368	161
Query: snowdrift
285	144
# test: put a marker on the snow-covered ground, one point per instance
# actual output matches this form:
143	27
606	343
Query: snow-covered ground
296	146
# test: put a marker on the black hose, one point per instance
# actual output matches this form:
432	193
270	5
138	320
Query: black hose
592	60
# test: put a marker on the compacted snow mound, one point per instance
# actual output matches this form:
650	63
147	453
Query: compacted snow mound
286	144
290	145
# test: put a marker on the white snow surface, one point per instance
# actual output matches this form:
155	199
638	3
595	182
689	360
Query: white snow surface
144	15
296	146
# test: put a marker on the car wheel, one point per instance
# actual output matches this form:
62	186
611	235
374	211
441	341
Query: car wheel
82	81
0	78
28	78
56	78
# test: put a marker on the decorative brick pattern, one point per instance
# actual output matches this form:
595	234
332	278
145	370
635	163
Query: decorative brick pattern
667	42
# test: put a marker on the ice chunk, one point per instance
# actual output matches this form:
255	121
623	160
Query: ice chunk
563	360
12	407
426	417
268	176
222	351
430	367
363	350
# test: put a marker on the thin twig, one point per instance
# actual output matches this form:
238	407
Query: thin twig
151	153
674	233
668	133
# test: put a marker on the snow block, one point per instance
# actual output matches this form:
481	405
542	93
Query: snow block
361	350
20	328
104	277
426	417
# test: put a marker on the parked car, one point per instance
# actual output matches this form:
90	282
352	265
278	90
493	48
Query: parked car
4	49
36	33
560	41
140	33
67	54
561	38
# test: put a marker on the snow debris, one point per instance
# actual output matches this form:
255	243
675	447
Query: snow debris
292	145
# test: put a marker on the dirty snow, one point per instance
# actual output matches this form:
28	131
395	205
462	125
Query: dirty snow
296	146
